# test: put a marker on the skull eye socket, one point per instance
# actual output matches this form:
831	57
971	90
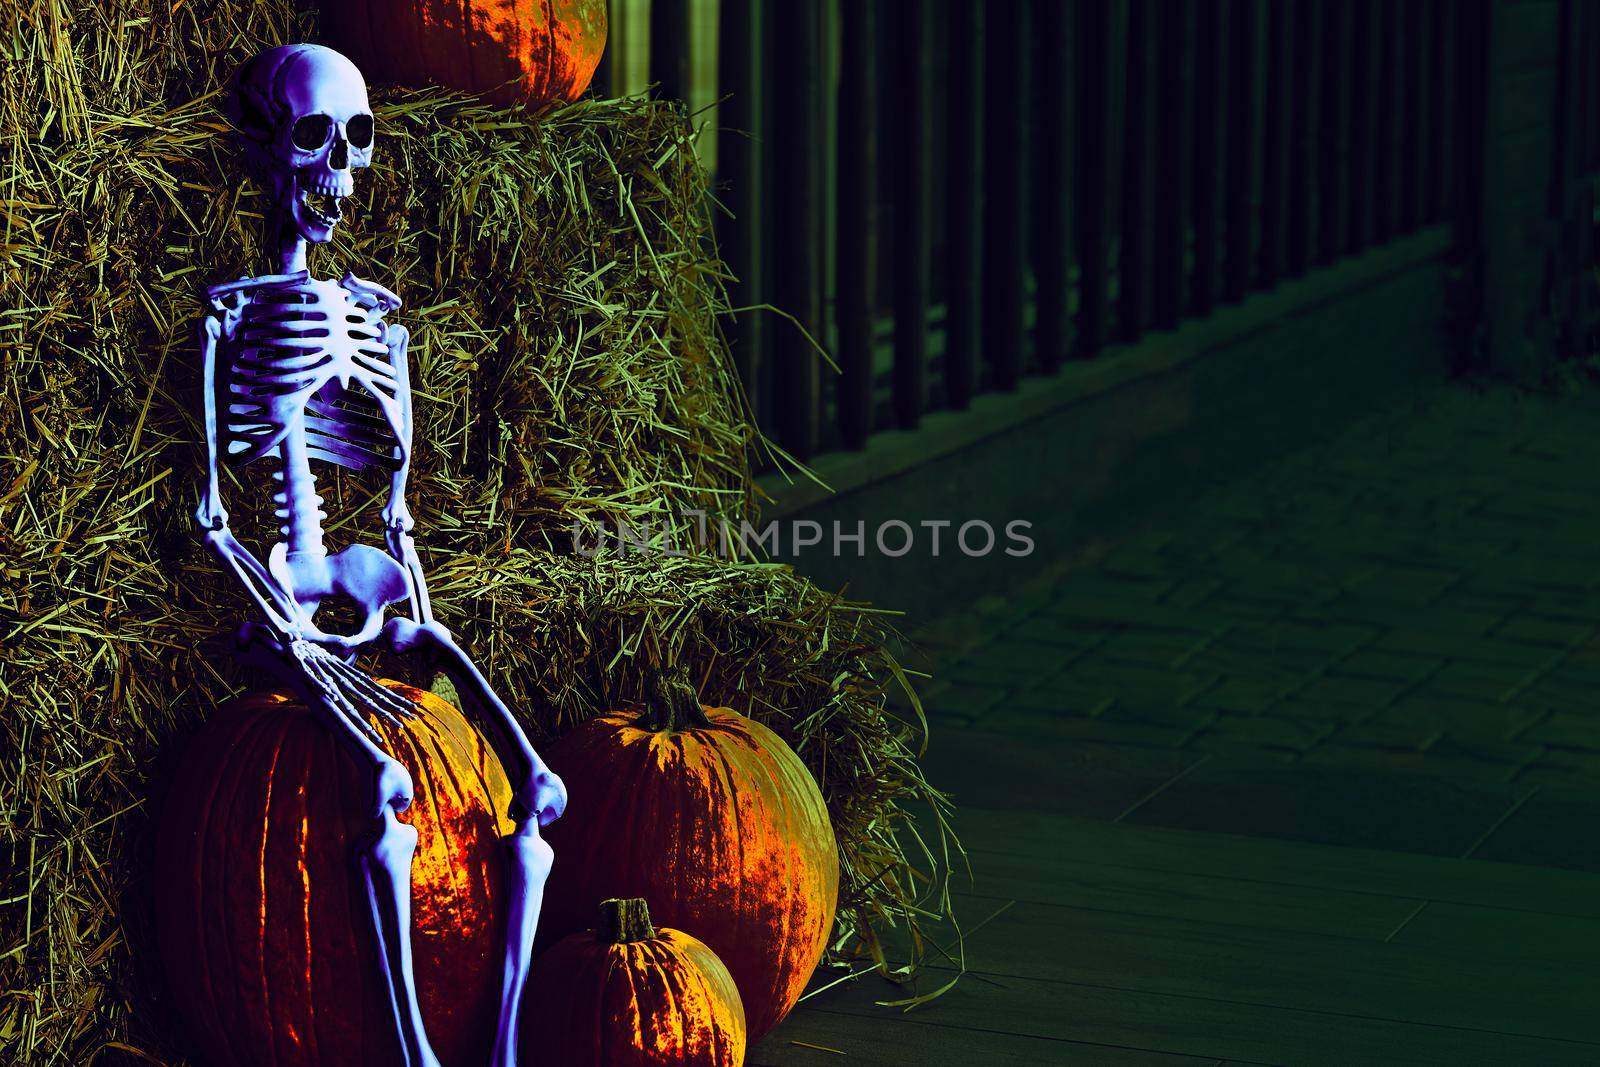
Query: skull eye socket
312	131
359	131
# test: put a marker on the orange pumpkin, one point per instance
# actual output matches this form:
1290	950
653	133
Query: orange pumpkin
262	909
513	51
629	995
715	821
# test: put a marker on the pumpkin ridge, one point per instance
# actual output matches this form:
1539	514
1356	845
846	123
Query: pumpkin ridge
549	46
717	1039
719	990
655	969
287	979
632	1005
266	834
470	29
262	726
201	944
803	792
611	961
740	852
673	777
440	844
685	991
667	763
775	796
306	909
478	751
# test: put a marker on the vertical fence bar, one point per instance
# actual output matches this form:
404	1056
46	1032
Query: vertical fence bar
1101	42
1386	121
1450	178
1333	169
1134	259
1211	59
741	181
1592	95
1276	142
964	268
1414	119
1364	105
1242	150
1004	248
797	219
858	221
1571	286
669	48
1095	73
913	163
1174	34
1439	117
1302	224
1052	194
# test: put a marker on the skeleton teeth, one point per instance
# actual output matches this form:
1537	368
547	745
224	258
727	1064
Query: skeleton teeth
324	217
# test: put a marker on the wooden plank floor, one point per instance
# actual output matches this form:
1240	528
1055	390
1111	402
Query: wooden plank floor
1307	772
1111	943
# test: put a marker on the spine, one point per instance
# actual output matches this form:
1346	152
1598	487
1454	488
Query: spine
299	508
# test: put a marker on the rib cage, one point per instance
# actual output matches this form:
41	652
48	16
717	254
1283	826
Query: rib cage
311	354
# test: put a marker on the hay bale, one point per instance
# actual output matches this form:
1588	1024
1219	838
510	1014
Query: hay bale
562	295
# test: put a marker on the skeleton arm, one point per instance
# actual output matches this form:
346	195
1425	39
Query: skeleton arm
276	604
397	519
541	795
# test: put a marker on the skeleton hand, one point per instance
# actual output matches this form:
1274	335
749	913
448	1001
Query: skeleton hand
348	691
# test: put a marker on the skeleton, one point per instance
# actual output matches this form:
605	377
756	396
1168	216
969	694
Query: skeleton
303	369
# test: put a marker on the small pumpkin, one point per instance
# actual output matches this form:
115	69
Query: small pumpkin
262	910
627	994
712	818
513	51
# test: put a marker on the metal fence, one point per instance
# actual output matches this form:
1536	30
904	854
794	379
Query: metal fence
952	195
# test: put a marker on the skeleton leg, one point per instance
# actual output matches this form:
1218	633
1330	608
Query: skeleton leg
386	865
538	799
340	691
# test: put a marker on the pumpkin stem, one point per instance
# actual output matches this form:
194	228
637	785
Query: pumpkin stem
624	921
672	703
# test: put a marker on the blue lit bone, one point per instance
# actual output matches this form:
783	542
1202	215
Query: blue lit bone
303	370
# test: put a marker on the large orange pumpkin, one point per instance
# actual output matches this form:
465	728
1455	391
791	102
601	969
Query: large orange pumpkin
715	821
262	910
514	51
628	995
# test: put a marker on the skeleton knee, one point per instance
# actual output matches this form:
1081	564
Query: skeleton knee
394	787
543	796
395	845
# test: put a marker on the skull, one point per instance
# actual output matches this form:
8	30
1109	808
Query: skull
303	114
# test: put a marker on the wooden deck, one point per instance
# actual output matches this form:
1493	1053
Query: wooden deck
1103	942
1307	772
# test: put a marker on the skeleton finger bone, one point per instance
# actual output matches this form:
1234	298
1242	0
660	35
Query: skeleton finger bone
385	701
315	662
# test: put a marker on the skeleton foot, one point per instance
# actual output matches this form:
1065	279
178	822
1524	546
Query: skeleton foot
386	866
530	859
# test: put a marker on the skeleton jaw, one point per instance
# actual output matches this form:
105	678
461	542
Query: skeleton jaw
314	204
329	218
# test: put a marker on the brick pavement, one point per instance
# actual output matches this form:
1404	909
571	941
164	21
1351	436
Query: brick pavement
1406	611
